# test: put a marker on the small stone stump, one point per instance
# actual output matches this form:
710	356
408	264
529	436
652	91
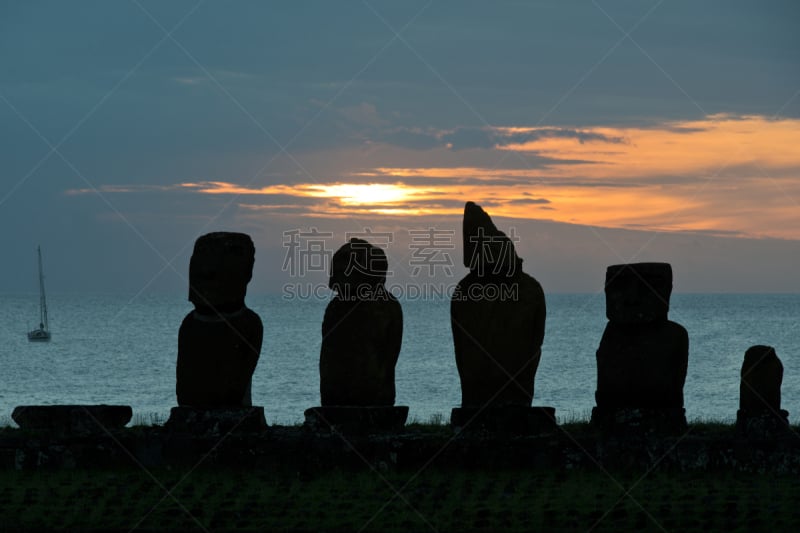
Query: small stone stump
497	315
68	420
362	333
760	414
219	342
643	356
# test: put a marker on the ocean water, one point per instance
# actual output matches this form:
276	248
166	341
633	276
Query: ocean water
122	350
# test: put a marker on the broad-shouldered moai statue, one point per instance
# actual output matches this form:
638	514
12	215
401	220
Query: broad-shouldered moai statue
362	330
643	356
497	315
219	342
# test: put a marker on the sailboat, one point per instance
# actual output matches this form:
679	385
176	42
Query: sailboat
42	333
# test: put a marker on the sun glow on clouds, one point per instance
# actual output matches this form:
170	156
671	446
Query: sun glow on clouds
378	198
367	194
699	146
348	194
722	174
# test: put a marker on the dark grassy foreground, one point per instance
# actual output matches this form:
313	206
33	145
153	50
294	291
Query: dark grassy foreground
298	481
431	500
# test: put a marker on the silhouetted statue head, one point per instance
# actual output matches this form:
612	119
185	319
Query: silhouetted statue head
487	250
358	267
219	271
638	292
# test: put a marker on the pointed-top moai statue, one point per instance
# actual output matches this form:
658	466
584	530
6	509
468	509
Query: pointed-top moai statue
362	332
497	315
219	342
643	356
760	413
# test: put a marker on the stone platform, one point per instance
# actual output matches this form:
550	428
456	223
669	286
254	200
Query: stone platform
72	419
762	424
509	419
299	451
216	421
640	421
356	419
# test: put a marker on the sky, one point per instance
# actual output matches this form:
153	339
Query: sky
596	132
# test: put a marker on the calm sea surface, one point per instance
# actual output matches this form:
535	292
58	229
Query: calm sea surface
114	349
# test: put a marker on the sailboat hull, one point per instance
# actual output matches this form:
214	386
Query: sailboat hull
39	335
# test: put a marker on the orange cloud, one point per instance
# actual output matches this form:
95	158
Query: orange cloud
724	174
698	147
720	174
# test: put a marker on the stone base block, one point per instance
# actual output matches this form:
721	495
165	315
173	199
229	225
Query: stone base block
762	425
216	420
356	419
72	419
513	419
640	421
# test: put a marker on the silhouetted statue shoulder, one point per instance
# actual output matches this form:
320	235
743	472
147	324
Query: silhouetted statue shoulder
497	316
219	343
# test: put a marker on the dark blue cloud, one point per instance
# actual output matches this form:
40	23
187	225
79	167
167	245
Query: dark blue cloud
532	201
464	138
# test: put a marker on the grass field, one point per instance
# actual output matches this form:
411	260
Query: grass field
431	500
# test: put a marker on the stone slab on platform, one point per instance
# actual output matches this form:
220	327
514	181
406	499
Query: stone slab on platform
762	424
514	419
72	419
639	421
356	419
216	420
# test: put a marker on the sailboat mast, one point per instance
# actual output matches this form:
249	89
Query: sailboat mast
42	300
